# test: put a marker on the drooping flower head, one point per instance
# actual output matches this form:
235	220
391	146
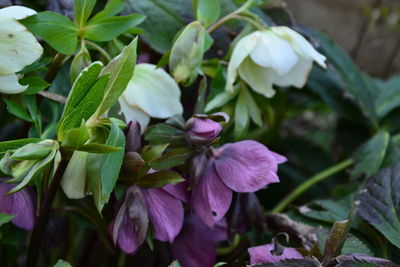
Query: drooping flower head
203	129
245	166
152	92
18	48
277	55
268	254
21	204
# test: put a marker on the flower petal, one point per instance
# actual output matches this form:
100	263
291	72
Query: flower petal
300	44
6	201
297	76
153	91
211	198
24	207
134	113
16	12
166	213
263	254
73	181
178	190
9	84
274	52
240	52
246	166
259	78
18	47
195	245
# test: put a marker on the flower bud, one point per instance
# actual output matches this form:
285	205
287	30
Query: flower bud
80	62
187	53
203	129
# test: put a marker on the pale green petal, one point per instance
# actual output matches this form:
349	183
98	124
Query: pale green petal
73	181
18	47
300	44
134	114
9	85
274	52
258	78
242	49
297	76
154	91
16	12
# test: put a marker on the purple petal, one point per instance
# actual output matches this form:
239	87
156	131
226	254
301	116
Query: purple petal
211	198
195	245
263	254
178	190
133	137
166	213
247	166
204	128
22	204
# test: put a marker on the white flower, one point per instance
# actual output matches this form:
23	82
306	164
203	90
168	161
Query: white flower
18	48
152	92
277	55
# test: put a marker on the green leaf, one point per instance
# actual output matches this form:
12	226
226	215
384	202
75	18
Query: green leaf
76	137
159	179
389	98
109	168
86	107
363	261
106	29
172	158
121	71
175	263
62	263
201	97
15	144
150	153
163	133
98	148
208	11
164	20
112	8
370	155
35	84
59	31
253	109
241	115
82	11
17	110
357	85
220	100
380	203
5	218
32	151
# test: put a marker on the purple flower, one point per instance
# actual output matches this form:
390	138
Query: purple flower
202	127
162	206
245	166
265	254
196	244
21	204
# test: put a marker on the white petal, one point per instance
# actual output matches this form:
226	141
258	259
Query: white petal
240	52
16	12
274	52
297	76
300	44
154	91
18	47
9	85
134	113
259	78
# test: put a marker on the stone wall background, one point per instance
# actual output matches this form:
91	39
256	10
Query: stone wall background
366	24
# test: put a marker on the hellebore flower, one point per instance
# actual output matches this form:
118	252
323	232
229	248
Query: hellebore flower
18	48
195	246
162	206
203	129
245	166
265	254
277	55
21	204
152	92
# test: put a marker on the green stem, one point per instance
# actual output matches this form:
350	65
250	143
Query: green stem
99	49
311	182
396	139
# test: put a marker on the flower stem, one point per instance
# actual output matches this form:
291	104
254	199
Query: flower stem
99	49
311	182
40	227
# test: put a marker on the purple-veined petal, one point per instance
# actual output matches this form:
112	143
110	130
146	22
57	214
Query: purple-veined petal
247	166
166	213
178	190
211	198
263	254
195	245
